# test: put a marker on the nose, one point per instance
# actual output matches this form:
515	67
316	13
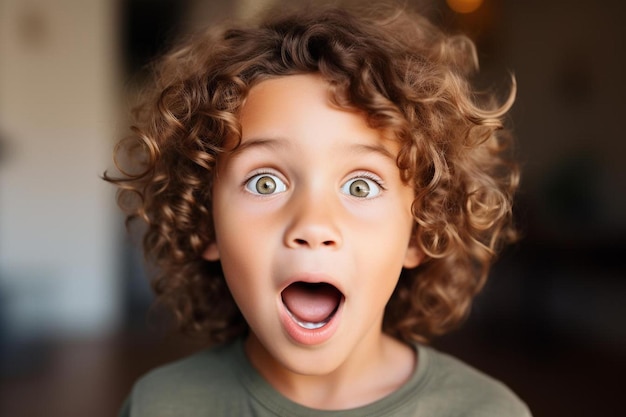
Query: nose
314	222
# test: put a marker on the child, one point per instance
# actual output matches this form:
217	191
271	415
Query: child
323	193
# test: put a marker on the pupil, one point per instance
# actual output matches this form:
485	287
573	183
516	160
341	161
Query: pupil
266	185
359	188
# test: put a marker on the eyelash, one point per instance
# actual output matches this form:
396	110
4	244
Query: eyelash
369	176
257	173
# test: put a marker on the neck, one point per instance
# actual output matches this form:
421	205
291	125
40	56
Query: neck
374	370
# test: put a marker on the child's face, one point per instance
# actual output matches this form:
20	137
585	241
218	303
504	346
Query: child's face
312	195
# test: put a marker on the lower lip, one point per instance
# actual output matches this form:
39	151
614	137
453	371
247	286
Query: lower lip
310	337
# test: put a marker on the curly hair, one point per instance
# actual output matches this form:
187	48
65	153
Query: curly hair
404	74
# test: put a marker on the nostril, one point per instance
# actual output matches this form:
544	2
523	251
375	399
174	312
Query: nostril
304	242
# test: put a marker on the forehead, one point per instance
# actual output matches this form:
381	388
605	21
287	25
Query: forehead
293	106
273	100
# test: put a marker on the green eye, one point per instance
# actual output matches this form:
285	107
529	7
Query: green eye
265	184
361	188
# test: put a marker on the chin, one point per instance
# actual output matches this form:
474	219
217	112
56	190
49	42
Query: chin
319	361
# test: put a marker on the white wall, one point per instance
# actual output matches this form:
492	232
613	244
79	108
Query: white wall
57	124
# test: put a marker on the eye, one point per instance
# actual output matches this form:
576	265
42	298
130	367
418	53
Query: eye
361	188
265	184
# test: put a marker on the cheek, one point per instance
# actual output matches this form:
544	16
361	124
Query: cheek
243	240
391	222
385	237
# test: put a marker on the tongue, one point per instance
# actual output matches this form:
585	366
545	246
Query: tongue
311	303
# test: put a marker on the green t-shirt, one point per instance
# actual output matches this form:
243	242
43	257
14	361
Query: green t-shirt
222	382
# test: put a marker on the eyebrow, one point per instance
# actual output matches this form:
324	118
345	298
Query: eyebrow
277	143
269	143
378	149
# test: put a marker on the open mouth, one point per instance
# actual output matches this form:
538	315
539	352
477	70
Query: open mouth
311	305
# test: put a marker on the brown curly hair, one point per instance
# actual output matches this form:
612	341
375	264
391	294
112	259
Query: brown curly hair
405	75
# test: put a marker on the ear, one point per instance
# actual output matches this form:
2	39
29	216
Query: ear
413	256
211	253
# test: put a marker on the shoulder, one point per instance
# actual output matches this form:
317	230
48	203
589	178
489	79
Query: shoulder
452	384
202	367
196	383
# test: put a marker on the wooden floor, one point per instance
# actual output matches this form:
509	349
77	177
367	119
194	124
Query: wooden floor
92	377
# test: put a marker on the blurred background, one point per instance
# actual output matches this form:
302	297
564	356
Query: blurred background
74	328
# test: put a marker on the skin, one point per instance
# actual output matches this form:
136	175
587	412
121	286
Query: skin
317	225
